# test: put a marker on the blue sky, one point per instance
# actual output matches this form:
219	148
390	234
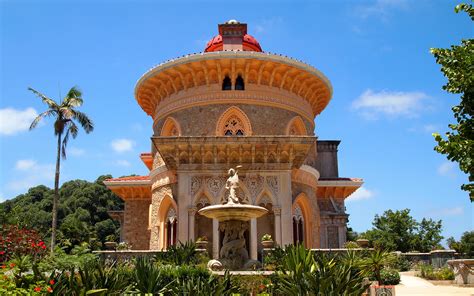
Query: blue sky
387	88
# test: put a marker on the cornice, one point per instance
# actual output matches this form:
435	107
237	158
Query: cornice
204	69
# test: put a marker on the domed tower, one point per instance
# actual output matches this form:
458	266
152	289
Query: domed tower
235	104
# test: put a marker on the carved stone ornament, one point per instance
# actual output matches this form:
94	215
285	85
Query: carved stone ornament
272	182
214	184
196	183
254	184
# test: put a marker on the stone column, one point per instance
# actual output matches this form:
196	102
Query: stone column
253	239
324	237
277	212
191	221
286	203
183	204
215	239
156	198
342	236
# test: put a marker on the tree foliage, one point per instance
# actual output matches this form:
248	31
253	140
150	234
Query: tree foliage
399	231
457	64
82	211
465	245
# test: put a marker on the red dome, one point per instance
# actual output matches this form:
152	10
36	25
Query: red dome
249	43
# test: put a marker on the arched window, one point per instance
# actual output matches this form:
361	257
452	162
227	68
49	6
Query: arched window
227	83
233	122
239	83
296	127
171	227
170	128
298	226
234	127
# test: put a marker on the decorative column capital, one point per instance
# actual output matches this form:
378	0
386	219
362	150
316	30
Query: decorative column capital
192	211
276	210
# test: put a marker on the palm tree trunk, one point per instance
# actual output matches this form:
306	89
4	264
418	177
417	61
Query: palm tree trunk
56	195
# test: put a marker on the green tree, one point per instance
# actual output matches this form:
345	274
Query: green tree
428	236
457	64
65	115
393	230
399	231
465	245
82	205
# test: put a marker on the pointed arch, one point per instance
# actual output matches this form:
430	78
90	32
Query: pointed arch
302	220
265	196
167	220
296	127
233	122
170	128
202	198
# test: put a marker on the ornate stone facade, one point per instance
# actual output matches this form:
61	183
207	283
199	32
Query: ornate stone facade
219	109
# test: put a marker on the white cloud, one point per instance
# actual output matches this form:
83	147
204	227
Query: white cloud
390	103
25	164
426	129
31	173
380	8
122	145
430	128
74	151
122	162
455	211
13	121
361	194
447	168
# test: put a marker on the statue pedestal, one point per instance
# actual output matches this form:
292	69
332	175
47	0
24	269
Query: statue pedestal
233	221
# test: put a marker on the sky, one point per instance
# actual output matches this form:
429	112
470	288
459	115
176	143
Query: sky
387	98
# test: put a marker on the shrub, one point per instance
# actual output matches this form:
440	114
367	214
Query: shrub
253	285
428	272
401	264
389	276
16	241
351	245
274	259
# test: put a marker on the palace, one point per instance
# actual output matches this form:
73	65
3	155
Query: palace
235	104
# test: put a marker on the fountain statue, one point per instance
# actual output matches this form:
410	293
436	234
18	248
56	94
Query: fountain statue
233	217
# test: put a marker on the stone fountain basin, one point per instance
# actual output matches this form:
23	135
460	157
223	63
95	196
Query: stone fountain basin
240	212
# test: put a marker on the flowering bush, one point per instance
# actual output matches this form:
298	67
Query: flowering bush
13	282
20	241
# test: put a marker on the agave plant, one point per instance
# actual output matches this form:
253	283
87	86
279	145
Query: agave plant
204	285
375	262
305	274
149	278
181	254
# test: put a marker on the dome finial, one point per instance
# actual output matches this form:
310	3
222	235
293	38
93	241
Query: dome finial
232	22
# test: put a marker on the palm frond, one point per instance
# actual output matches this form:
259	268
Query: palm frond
71	130
73	98
38	118
85	121
50	102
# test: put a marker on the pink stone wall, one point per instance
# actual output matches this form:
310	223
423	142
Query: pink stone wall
135	226
202	120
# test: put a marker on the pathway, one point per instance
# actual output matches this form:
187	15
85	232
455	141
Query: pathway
411	285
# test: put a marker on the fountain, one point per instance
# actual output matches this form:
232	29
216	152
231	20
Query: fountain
233	217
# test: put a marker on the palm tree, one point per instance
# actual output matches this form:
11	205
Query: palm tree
65	115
